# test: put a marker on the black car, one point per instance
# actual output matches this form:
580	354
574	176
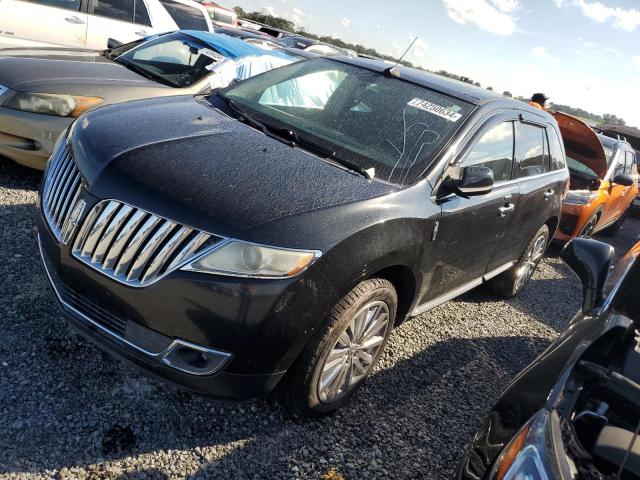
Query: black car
575	411
275	232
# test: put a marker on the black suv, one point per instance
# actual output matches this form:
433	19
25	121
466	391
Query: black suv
274	233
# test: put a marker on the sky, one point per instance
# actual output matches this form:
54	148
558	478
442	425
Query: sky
583	53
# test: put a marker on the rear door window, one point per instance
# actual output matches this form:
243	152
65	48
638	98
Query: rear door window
115	9
187	18
556	151
222	16
66	4
140	14
532	151
494	150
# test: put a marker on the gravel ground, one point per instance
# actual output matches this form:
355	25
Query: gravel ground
67	410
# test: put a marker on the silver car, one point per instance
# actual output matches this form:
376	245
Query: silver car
43	90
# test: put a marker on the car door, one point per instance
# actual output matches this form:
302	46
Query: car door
472	228
539	188
617	201
44	22
122	20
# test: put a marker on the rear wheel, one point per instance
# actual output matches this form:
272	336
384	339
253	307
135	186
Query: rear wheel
510	283
343	352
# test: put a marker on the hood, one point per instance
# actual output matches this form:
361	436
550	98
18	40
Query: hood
31	70
582	143
181	157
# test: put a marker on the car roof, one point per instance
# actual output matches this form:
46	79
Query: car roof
455	88
614	143
239	33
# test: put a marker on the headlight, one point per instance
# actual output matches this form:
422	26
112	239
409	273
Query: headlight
251	260
580	197
48	104
530	455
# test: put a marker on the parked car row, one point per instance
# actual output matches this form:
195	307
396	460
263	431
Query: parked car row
238	218
90	24
42	91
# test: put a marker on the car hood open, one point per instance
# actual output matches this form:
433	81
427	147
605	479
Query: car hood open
582	143
40	70
180	156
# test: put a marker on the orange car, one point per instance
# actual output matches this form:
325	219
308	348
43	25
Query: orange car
604	180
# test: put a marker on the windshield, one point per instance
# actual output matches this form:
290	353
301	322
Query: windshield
175	59
576	166
371	120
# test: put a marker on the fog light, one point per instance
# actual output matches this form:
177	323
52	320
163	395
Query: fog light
194	359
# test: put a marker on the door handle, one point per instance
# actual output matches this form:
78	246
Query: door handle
548	194
503	211
141	33
74	20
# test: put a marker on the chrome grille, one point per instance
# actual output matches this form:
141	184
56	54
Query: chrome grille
62	186
136	247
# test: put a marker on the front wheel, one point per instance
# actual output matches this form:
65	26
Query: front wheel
512	282
343	351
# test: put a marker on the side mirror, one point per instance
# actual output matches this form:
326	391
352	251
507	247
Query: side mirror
591	261
624	180
474	180
113	43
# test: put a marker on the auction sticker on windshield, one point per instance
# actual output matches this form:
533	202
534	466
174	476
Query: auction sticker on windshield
438	110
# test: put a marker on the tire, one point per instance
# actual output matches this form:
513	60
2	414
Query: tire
512	282
590	226
301	390
613	229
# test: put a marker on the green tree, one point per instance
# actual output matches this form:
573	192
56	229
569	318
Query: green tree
507	93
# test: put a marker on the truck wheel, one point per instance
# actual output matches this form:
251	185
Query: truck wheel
343	351
510	283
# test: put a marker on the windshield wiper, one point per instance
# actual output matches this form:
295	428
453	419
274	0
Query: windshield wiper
291	138
145	73
329	154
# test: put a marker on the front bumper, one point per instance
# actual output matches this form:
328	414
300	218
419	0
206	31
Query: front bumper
224	384
572	220
264	324
28	138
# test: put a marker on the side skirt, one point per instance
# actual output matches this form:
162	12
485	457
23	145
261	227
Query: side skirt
460	290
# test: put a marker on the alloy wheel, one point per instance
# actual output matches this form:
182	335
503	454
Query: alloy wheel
589	228
532	258
353	354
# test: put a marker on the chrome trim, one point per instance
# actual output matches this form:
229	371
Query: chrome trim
61	193
460	290
134	247
161	356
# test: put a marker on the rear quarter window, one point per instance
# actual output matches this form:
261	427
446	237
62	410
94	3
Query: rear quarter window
187	18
